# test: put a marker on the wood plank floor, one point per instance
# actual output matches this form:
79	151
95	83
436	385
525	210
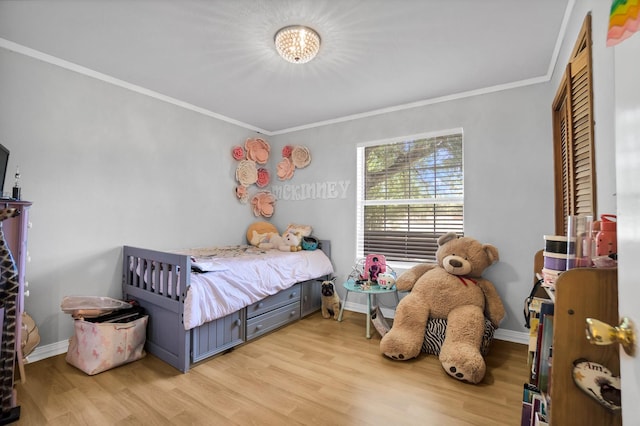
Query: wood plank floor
313	372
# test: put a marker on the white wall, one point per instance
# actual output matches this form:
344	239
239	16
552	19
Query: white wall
106	167
508	178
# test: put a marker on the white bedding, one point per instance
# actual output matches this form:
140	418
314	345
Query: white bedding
245	276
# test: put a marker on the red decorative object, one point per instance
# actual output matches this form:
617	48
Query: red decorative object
237	152
263	178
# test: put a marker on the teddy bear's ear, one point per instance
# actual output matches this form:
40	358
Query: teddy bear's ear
492	252
446	238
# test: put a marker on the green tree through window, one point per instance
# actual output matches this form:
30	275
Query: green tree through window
410	192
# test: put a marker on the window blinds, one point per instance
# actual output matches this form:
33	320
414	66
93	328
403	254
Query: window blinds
412	194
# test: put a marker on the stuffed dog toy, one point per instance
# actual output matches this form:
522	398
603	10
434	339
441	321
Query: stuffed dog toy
330	300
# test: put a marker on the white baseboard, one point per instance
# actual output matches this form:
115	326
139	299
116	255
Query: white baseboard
46	351
500	334
53	349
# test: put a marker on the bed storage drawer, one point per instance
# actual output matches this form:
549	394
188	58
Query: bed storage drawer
261	324
217	336
311	299
277	300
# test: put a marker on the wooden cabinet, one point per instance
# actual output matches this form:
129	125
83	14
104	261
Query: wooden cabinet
581	293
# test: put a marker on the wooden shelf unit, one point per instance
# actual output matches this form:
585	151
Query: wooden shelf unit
581	293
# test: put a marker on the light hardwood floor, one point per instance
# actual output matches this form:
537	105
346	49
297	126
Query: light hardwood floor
312	372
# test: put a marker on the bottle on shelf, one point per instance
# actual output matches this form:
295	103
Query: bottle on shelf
16	186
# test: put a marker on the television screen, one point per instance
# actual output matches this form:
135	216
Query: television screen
4	161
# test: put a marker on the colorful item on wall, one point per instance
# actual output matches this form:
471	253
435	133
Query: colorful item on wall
250	171
263	204
293	157
251	157
624	20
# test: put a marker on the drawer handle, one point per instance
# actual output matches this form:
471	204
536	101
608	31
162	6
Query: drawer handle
260	305
259	326
293	295
238	322
292	313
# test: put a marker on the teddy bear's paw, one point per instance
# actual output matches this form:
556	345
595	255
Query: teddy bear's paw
470	369
397	348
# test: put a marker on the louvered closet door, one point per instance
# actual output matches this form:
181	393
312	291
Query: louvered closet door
573	136
582	136
563	168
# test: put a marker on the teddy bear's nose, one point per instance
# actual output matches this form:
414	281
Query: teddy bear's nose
455	263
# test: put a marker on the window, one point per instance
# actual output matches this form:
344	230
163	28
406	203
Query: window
574	155
410	192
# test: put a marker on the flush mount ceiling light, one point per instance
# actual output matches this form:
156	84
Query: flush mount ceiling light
297	44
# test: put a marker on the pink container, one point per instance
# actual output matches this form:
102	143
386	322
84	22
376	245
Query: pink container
606	240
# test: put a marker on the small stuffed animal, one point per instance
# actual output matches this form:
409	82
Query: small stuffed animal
386	280
290	242
330	300
265	236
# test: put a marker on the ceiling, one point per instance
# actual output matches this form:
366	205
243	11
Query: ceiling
217	56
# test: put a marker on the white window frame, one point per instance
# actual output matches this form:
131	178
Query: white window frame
360	186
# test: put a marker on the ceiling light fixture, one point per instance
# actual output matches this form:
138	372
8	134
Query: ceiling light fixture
297	44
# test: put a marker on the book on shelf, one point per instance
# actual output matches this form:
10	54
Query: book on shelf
544	352
540	420
534	318
534	406
546	308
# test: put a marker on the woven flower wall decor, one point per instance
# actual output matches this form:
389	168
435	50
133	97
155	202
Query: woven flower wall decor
263	204
248	172
293	157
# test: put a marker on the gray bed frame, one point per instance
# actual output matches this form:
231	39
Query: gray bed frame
166	337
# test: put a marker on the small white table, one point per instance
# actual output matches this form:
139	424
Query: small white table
372	291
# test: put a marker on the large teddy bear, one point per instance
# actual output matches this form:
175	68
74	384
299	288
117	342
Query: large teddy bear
454	290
